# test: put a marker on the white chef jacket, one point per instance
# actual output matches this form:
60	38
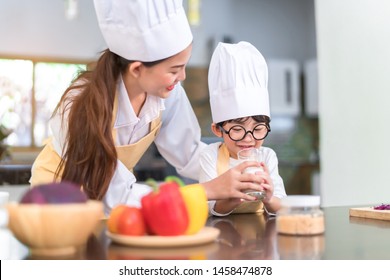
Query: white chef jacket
208	170
178	140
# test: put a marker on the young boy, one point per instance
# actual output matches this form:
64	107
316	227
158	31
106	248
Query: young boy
238	77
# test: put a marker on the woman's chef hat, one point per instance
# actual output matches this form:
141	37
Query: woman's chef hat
144	30
238	78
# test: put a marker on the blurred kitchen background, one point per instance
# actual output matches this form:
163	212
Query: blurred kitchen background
338	125
45	42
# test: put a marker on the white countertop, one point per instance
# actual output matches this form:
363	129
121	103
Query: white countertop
15	191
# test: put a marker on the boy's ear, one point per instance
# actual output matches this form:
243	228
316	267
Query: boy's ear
135	68
216	130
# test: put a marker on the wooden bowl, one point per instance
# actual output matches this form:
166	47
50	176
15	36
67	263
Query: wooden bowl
54	229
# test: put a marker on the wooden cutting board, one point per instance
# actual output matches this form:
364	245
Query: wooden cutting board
369	212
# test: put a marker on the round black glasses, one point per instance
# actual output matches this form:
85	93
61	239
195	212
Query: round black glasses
238	132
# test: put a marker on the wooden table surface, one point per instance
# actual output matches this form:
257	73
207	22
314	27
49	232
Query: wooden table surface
249	237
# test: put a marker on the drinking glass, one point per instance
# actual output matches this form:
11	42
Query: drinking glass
252	154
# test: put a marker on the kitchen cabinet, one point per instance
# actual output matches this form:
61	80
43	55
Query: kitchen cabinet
15	174
284	87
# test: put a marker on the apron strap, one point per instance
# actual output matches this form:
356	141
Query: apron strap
130	154
223	159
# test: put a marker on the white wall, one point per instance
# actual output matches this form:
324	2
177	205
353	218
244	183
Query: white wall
279	28
354	70
38	28
283	29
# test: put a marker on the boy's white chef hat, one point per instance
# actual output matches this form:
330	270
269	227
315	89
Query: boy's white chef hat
144	30
238	78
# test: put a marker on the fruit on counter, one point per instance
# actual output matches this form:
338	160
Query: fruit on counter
126	220
165	211
197	207
55	193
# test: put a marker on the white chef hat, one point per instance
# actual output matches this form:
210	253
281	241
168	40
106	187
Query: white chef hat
238	78
144	30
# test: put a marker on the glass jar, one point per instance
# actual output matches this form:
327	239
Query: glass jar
300	215
300	247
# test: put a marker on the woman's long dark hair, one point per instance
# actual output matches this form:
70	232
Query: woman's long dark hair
90	158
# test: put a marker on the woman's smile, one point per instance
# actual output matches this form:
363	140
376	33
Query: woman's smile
170	87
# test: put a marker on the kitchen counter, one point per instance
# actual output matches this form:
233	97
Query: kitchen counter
251	237
15	173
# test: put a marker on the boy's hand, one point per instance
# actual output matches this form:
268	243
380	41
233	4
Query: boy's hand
267	184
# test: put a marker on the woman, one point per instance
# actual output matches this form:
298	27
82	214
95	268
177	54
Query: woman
110	115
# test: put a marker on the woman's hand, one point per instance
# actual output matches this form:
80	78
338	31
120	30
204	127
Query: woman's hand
234	182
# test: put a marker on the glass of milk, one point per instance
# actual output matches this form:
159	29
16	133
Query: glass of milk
252	154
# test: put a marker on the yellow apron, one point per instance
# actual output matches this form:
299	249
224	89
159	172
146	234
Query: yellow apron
46	163
222	166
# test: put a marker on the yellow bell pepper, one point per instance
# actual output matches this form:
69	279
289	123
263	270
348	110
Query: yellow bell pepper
196	202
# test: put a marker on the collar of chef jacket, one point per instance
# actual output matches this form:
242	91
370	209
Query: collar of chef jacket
126	121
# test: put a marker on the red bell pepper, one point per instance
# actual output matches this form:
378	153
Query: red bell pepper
165	211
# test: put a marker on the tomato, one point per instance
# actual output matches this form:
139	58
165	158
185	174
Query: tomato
126	220
131	222
112	222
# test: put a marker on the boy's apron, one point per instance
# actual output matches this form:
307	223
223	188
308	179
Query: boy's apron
222	166
48	160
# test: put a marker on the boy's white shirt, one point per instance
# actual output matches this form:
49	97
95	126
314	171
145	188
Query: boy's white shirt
208	170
